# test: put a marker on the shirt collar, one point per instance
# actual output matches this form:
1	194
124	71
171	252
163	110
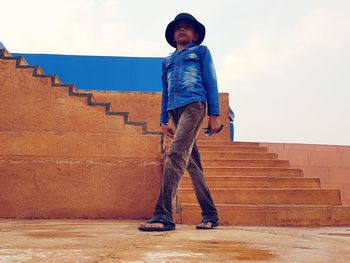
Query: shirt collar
189	45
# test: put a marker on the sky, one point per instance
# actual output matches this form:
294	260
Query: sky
284	63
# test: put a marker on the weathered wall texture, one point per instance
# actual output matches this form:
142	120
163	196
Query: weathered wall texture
330	163
145	106
62	158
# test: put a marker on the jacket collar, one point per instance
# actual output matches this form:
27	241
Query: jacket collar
187	46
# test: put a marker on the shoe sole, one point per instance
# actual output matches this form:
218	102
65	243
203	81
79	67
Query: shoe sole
156	229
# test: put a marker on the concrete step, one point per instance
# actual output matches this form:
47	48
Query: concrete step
212	143
228	154
217	162
231	148
252	171
255	182
261	196
242	144
238	155
227	146
271	215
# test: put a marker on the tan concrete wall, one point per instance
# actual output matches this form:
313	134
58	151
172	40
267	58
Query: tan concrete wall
62	158
331	163
146	106
69	187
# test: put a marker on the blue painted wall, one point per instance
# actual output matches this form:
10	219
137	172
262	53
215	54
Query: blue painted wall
102	72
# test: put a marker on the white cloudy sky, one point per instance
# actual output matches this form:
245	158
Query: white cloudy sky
285	63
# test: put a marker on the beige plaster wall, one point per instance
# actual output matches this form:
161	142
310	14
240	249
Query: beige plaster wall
331	163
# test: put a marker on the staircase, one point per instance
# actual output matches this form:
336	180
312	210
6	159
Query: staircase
251	186
66	154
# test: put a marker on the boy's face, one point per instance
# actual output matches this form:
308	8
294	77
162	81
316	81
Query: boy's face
184	33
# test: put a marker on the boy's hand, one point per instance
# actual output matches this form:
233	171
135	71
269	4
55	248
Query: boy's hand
214	124
168	131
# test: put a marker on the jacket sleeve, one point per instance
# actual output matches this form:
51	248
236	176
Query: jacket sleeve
163	112
210	82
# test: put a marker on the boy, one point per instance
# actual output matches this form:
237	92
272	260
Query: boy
189	82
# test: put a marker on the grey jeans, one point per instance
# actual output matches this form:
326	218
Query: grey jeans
184	154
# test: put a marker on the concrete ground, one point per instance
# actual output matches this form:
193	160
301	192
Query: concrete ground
120	241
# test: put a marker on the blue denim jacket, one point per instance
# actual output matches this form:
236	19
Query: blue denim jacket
189	76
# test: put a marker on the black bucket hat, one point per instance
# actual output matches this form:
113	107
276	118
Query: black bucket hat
170	29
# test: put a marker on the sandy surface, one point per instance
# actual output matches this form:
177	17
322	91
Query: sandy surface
120	241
